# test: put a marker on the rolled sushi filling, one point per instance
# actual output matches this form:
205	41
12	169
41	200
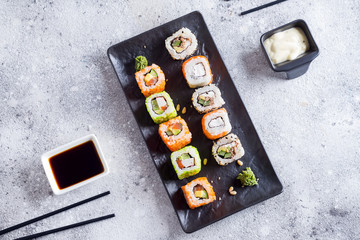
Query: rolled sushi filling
206	98
185	160
179	44
174	129
151	78
216	122
159	105
198	71
227	150
200	192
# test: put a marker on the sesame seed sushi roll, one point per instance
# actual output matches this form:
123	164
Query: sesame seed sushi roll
207	98
160	107
150	79
181	44
175	133
227	149
186	162
216	124
197	71
198	192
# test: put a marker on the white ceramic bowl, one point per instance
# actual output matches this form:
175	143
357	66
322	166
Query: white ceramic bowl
45	158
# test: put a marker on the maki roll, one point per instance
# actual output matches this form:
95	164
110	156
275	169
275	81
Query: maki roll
150	79
197	71
216	124
207	98
186	162
160	107
175	133
181	44
227	149
198	192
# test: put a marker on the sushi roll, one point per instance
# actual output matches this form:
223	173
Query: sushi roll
207	98
175	133
197	71
150	79
227	149
186	162
181	44
160	107
198	192
216	124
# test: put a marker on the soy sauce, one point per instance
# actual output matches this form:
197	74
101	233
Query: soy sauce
76	164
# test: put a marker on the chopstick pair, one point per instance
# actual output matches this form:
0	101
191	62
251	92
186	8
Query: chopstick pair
6	230
262	7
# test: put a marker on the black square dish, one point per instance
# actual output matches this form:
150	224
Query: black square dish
300	65
151	44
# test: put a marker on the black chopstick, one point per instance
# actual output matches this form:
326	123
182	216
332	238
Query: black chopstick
36	235
6	230
262	6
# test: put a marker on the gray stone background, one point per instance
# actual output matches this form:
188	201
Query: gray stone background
57	84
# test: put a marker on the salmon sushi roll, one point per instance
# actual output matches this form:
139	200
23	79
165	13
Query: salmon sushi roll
150	79
160	107
216	124
197	71
186	162
227	149
198	192
175	133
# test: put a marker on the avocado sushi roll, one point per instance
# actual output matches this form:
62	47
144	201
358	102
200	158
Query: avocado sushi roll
150	79
160	107
186	162
181	44
216	124
207	98
175	133
198	192
227	149
197	72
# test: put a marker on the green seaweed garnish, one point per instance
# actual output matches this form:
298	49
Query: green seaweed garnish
140	63
247	177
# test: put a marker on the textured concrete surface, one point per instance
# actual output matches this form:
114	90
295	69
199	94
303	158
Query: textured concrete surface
56	84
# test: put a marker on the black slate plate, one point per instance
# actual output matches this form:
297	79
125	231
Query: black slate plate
152	45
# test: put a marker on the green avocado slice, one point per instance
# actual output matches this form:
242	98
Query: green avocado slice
153	72
169	132
201	194
176	131
184	156
227	155
176	43
155	107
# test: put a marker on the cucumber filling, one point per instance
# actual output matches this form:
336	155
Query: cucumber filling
185	160
225	151
206	99
179	44
174	129
200	192
159	105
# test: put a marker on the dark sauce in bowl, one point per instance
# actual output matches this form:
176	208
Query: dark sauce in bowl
76	164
